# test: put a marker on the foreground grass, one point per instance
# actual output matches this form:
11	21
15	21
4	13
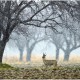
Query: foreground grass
5	66
9	72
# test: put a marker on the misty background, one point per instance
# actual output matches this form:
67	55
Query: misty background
30	28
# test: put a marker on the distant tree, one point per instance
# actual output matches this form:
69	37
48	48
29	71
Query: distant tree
70	34
71	43
36	37
56	38
19	42
33	36
20	45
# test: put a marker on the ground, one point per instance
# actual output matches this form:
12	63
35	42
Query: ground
39	72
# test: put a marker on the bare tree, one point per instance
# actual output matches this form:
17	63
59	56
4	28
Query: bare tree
55	38
43	14
10	12
33	36
71	43
71	35
20	43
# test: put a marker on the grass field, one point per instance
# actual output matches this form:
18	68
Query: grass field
34	71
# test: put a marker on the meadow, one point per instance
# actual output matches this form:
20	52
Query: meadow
39	72
13	69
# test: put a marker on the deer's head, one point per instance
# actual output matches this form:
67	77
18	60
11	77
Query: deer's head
43	55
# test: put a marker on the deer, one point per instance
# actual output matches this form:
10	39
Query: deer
49	62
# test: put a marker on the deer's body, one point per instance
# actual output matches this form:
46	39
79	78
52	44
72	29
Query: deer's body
49	62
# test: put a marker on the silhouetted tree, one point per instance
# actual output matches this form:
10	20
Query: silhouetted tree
10	12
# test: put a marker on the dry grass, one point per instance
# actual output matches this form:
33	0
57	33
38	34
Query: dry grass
41	72
36	70
38	59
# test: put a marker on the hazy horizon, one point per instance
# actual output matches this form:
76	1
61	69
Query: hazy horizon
38	51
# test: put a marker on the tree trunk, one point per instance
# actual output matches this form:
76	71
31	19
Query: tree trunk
2	47
28	57
21	55
57	53
66	56
29	51
1	55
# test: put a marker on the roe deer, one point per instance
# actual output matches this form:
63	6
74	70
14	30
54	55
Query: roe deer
49	62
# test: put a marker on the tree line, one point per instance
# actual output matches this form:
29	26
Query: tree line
60	19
